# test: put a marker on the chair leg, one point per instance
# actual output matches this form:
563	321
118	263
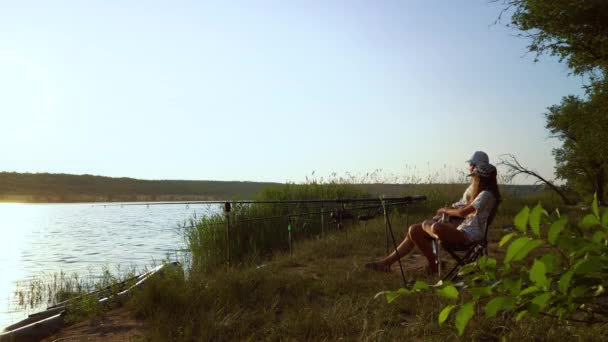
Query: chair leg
436	251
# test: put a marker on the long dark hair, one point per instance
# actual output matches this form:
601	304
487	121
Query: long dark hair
485	184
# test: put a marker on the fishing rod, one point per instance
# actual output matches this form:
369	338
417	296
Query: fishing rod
416	198
294	215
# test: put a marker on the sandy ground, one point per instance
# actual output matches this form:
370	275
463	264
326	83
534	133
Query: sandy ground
116	325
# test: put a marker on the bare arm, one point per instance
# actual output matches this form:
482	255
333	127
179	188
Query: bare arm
460	212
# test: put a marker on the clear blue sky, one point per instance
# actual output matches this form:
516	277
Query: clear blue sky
268	90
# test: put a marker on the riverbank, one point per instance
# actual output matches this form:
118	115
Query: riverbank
321	292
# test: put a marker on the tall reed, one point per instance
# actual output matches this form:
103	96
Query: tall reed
258	230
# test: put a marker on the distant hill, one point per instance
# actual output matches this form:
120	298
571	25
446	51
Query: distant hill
51	188
47	187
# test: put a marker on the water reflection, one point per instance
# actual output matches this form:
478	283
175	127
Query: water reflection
83	238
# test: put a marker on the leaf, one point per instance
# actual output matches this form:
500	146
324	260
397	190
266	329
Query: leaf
505	239
551	261
498	304
420	285
392	295
448	292
513	286
594	206
484	262
605	218
541	301
589	221
521	219
520	315
528	290
445	313
538	274
478	292
587	266
466	269
600	289
579	291
599	237
514	247
534	219
463	316
527	248
556	228
564	282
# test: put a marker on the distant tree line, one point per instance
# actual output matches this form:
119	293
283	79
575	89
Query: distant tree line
51	188
47	187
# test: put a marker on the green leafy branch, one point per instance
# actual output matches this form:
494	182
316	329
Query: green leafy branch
551	268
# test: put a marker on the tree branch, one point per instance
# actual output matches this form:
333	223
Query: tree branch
515	168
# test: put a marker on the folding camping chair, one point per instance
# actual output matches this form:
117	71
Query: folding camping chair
471	252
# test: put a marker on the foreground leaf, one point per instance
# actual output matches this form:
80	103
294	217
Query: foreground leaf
538	274
527	248
392	295
463	316
513	286
540	301
594	207
448	292
498	304
589	221
521	219
556	228
445	313
564	282
478	292
534	219
420	285
505	239
515	247
520	315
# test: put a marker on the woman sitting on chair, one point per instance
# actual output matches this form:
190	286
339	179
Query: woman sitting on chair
485	195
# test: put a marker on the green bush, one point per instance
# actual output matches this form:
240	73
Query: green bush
551	268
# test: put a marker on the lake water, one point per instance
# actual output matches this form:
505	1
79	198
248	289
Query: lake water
38	239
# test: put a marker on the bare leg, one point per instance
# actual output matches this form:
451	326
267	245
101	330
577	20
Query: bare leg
445	232
403	249
424	242
449	235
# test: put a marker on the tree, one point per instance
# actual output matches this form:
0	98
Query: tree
574	30
582	126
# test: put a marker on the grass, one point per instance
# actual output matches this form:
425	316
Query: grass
251	238
323	292
72	290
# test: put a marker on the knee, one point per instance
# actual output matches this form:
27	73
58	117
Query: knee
434	228
415	228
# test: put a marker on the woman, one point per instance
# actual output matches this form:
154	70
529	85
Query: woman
484	194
